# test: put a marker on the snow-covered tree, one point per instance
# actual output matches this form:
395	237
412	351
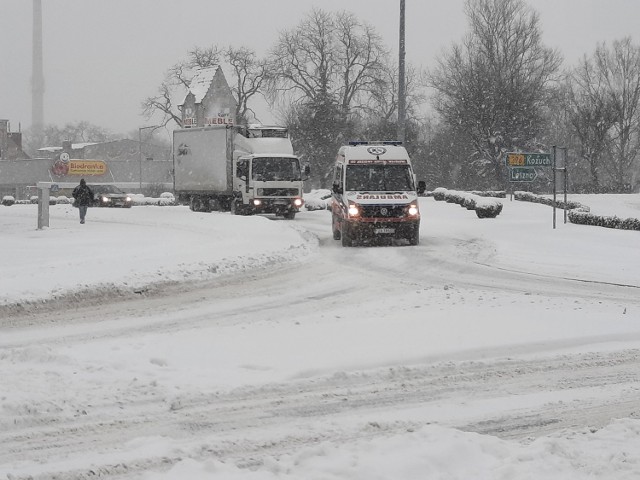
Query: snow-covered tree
492	87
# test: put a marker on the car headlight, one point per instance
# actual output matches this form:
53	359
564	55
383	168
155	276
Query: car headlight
105	199
354	210
257	202
298	202
128	199
413	210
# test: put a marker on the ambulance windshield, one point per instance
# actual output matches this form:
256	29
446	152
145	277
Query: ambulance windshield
379	178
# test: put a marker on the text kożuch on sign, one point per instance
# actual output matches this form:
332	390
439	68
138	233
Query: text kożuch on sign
528	160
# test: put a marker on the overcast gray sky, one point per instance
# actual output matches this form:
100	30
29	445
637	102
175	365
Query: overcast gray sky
103	57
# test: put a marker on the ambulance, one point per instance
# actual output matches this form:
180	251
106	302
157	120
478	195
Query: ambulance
374	194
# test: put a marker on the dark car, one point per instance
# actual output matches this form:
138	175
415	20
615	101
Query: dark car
110	196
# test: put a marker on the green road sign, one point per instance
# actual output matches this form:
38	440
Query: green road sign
528	159
522	174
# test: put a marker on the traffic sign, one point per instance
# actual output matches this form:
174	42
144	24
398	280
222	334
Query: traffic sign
522	174
528	159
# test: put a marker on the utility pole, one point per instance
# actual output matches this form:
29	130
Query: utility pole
402	93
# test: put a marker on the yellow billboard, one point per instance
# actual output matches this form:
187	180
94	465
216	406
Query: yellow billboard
87	167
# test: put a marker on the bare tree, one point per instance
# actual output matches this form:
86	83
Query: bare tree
492	87
591	114
328	57
619	70
249	74
324	72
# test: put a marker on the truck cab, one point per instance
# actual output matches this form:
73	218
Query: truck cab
374	194
267	176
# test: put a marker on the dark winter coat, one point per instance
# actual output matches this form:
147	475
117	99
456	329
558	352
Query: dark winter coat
83	195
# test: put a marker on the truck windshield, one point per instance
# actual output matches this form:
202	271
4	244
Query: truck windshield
379	178
267	169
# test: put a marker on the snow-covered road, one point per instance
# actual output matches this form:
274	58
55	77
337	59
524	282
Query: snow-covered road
502	327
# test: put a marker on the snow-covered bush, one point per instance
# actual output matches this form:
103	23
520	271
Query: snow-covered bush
318	199
8	200
485	207
166	201
33	199
583	217
163	201
63	200
581	214
532	197
439	194
490	193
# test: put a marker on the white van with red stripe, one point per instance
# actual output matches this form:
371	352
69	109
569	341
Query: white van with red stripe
374	194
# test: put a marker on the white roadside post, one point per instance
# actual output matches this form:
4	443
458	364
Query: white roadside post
43	204
44	195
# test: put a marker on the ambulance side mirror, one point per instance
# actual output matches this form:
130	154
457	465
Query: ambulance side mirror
337	188
422	187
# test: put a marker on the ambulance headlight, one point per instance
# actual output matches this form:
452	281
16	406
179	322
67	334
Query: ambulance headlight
298	202
354	210
413	210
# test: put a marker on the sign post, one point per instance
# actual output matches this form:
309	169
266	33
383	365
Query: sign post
559	178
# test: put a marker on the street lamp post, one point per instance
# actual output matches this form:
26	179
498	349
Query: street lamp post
402	91
140	151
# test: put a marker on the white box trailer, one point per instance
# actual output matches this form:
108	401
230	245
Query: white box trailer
202	170
246	169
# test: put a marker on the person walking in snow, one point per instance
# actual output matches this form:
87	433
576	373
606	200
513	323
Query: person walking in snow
83	196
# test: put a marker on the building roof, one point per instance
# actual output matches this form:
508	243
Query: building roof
201	82
74	146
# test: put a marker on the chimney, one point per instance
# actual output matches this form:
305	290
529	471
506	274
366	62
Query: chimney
4	141
37	79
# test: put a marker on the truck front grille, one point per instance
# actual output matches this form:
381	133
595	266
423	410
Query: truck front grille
278	192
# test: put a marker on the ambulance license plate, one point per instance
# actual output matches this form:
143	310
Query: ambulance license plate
385	230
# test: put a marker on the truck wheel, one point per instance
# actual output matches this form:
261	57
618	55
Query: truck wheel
347	241
225	204
237	208
195	204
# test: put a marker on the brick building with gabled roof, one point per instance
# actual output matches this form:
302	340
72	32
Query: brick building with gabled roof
209	100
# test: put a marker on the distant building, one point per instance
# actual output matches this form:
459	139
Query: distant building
209	100
10	143
126	163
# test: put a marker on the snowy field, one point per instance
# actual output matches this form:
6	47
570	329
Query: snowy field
158	343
